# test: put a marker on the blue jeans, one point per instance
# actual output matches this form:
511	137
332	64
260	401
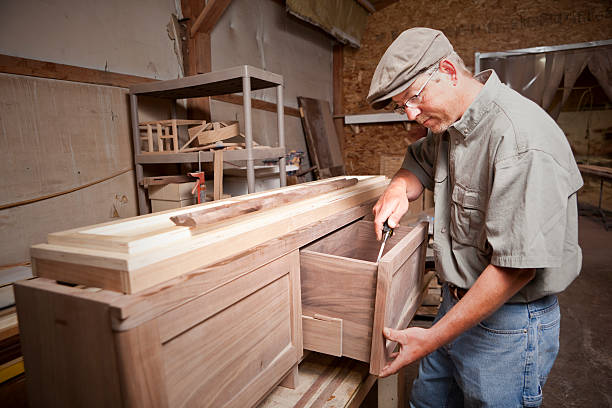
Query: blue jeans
501	362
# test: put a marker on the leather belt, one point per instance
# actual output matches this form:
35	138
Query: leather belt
456	292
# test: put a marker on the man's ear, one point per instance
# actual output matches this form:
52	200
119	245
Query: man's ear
448	68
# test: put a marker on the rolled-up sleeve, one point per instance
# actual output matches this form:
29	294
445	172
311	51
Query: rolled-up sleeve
420	159
526	214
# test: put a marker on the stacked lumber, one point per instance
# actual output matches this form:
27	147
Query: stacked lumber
137	253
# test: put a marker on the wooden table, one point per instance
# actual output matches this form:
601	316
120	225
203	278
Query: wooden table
604	173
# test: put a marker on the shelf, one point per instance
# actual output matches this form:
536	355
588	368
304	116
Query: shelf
222	82
192	157
243	79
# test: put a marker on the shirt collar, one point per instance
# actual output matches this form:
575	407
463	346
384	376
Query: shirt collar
481	105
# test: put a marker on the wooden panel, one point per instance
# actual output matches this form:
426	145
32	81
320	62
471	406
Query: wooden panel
211	363
319	129
66	342
323	334
398	291
139	358
341	288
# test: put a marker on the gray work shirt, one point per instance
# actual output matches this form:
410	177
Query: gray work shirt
504	181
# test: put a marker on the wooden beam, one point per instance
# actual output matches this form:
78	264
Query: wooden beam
52	70
338	91
367	5
256	104
209	16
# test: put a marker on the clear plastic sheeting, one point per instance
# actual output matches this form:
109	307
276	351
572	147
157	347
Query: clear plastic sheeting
538	75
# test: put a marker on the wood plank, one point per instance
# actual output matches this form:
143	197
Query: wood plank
323	334
51	70
218	175
323	146
218	133
338	90
605	172
209	16
273	200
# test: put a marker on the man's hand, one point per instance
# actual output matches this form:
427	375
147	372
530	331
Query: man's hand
414	342
393	204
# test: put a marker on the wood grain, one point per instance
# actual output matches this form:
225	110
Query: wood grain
273	200
323	334
153	260
323	145
66	342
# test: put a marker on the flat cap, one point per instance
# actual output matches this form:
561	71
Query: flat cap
411	53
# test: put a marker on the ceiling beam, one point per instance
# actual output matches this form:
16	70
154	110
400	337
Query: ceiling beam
367	5
209	16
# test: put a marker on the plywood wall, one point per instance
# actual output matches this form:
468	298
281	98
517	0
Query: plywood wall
60	136
471	26
263	34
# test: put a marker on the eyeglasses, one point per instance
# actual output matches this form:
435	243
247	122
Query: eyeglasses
416	99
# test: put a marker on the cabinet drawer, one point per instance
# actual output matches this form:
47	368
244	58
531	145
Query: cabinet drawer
341	282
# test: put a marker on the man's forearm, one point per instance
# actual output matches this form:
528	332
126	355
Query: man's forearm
491	290
406	180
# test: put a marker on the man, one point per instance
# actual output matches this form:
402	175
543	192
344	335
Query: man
505	226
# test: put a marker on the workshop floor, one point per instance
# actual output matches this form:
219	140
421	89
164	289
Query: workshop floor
582	374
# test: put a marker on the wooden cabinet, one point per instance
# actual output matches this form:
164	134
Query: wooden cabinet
347	298
218	337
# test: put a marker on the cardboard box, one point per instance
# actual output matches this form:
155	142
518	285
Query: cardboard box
163	205
171	192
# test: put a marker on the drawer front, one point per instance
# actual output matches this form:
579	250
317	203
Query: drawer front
241	349
398	291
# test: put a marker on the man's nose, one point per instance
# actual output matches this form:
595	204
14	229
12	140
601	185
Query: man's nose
412	112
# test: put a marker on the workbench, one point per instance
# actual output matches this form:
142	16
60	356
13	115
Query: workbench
604	173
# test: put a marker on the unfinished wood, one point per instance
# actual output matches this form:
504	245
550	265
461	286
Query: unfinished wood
218	175
350	384
129	311
136	247
341	279
240	345
43	69
323	146
398	292
140	365
275	199
209	16
217	131
226	347
291	380
338	103
323	334
66	342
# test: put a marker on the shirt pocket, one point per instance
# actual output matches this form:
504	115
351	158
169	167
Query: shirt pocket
467	216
